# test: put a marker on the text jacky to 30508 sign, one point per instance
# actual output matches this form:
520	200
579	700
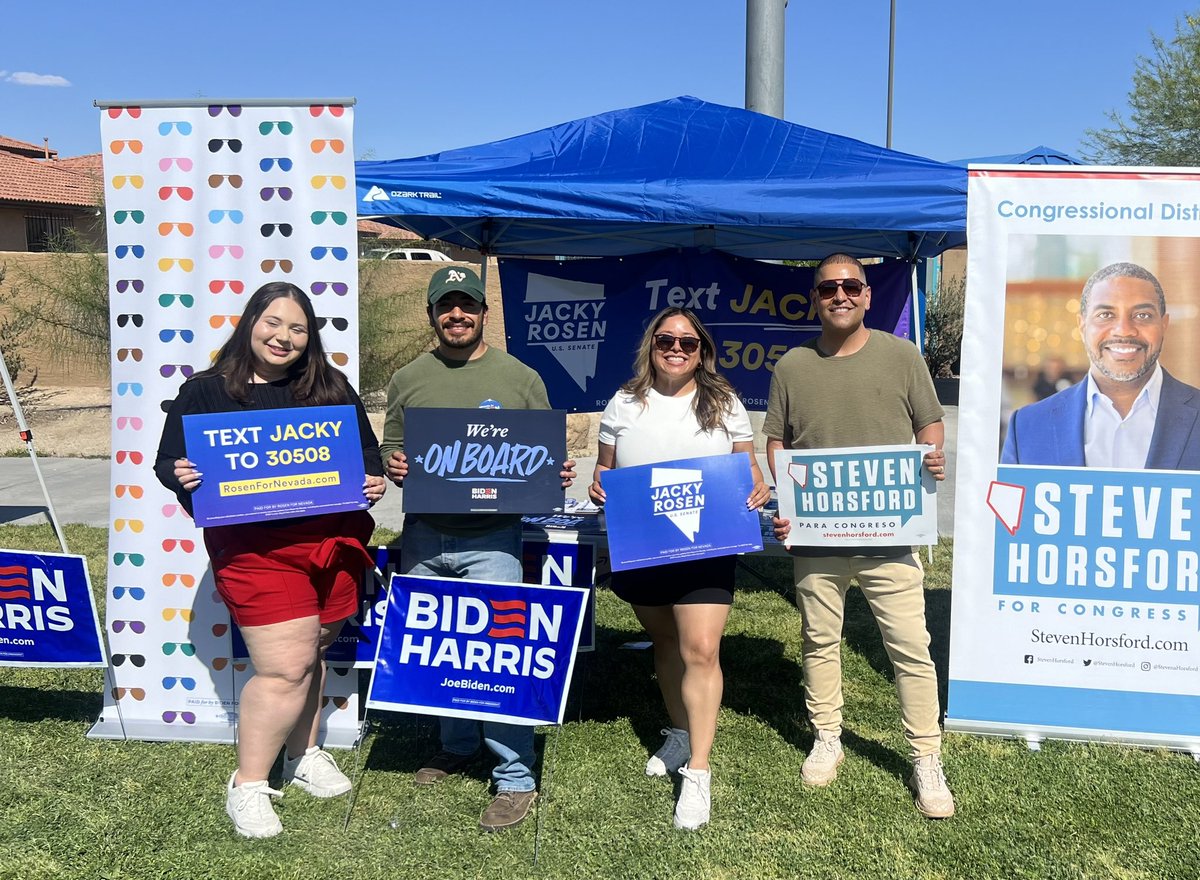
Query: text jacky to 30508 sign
271	464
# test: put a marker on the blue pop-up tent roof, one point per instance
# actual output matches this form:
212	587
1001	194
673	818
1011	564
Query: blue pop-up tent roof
678	173
1039	155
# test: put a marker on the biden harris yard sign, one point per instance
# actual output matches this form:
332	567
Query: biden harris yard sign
680	510
47	611
471	649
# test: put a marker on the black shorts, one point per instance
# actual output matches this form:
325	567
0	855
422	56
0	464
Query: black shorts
696	582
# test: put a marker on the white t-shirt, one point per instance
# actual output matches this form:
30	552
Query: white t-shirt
666	429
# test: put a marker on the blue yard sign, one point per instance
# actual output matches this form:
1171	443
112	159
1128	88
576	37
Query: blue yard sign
679	510
273	464
471	649
484	460
47	611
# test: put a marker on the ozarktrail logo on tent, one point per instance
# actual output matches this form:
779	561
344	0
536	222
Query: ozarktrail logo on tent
376	194
568	318
675	493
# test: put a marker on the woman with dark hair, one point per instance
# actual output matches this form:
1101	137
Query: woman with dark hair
678	406
289	584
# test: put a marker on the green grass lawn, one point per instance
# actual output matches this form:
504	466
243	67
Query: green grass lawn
73	807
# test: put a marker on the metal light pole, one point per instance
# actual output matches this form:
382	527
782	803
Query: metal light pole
764	56
891	71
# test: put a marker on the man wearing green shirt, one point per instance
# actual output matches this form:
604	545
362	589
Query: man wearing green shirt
853	386
463	371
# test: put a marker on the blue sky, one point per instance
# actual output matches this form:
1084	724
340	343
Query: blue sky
971	78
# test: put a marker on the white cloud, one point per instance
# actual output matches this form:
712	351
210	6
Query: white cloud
24	78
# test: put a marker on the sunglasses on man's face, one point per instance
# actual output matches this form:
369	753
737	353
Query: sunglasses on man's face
665	342
852	287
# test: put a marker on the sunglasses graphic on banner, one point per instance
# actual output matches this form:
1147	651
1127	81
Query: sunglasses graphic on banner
218	284
284	163
215	145
138	660
184	299
185	580
136	320
123	489
334	144
269	229
338	323
339	288
135	593
216	181
216	216
130	423
184	229
169	334
183	163
125	284
283	127
115	112
133	216
338	217
184	128
234	110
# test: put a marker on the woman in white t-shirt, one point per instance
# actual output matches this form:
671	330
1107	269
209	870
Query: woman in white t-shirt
678	406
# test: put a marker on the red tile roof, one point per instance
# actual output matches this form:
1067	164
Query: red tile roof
92	164
40	182
383	230
21	148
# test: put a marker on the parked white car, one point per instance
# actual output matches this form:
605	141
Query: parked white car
408	254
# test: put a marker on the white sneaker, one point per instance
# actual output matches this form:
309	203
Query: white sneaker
673	753
820	767
249	806
317	773
928	782
695	799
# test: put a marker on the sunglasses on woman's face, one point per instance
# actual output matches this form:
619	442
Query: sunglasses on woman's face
665	342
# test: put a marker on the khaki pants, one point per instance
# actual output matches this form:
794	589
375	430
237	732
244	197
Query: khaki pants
894	590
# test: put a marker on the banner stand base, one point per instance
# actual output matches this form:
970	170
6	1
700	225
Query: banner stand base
157	731
1035	735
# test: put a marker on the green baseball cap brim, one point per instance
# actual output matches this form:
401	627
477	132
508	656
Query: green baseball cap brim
456	279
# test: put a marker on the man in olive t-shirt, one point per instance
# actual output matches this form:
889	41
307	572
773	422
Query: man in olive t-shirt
463	371
853	386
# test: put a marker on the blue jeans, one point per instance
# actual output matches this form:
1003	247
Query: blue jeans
495	556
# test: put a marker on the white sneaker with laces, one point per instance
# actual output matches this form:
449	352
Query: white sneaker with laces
695	799
820	767
673	753
249	806
928	782
317	773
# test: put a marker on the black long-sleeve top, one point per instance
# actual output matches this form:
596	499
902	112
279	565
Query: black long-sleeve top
207	394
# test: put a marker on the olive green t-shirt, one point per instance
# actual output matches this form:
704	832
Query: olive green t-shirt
494	380
881	395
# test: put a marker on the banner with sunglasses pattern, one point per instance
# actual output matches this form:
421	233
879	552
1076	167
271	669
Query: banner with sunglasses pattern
205	203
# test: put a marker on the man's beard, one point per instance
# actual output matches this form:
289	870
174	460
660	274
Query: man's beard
1129	374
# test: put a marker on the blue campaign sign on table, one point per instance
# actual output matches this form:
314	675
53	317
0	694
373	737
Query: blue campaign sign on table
679	510
471	649
276	463
859	496
47	611
484	460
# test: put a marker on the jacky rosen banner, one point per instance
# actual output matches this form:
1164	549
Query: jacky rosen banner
578	322
205	201
48	613
693	508
470	649
1076	568
863	496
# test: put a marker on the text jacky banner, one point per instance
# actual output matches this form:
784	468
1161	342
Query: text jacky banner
47	612
693	508
470	649
273	464
484	460
861	496
577	323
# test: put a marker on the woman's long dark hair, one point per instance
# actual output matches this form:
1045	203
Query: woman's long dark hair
714	395
314	380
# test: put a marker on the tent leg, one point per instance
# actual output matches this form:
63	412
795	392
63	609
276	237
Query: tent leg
27	437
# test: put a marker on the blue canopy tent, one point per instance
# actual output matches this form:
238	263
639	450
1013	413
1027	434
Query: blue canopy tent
681	173
1040	155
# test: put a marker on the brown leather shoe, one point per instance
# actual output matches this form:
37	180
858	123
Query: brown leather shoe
509	808
441	765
